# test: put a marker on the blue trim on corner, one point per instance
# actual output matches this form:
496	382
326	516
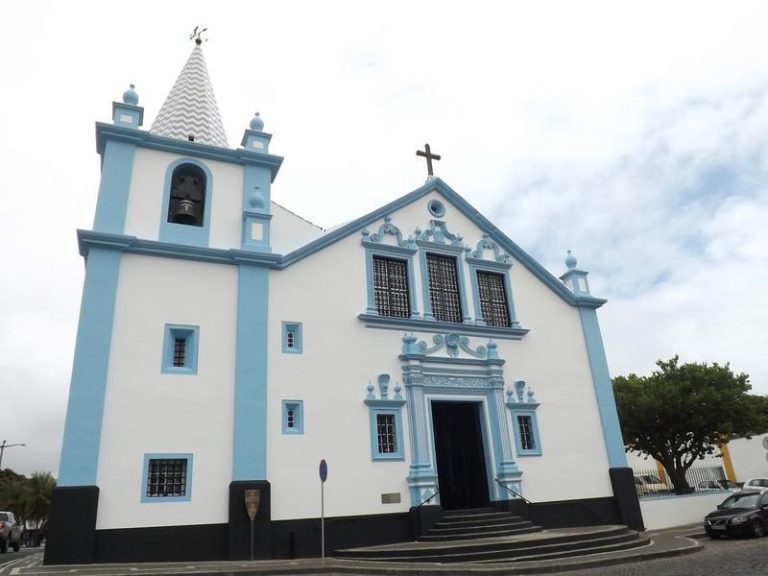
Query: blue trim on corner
191	334
82	430
249	459
184	233
111	133
601	379
116	172
162	499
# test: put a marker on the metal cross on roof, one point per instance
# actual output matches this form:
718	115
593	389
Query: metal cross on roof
427	153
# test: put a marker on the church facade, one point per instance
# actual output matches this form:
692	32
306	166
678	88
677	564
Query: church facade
226	346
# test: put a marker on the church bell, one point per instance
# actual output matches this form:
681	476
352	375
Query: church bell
185	212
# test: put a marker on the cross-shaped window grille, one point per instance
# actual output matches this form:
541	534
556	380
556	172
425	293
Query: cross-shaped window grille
525	427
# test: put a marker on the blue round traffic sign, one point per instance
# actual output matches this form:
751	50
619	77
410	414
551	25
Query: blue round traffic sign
323	471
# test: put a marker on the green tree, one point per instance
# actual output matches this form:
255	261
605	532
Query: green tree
682	412
37	498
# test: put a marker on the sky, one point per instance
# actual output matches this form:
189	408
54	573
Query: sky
632	133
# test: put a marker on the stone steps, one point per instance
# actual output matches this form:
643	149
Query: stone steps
477	523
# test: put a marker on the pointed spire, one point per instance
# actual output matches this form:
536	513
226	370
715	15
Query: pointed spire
190	111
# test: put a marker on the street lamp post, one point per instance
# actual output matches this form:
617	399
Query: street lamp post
5	445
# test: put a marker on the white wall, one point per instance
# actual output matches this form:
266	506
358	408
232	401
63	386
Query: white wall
145	210
289	231
749	457
146	411
679	510
326	292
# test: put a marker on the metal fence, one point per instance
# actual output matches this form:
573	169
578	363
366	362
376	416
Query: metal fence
650	483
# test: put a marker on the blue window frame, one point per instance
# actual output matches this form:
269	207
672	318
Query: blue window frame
180	346
166	477
527	439
292	338
293	417
386	432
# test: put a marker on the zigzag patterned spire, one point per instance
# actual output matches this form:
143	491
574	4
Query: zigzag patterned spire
190	109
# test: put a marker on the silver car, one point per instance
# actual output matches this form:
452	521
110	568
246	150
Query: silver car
10	532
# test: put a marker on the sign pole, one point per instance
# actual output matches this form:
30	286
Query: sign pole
252	499
323	478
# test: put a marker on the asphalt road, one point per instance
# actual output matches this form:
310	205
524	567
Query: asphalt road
737	557
24	557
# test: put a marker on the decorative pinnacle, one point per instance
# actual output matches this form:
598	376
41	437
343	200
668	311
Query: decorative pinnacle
197	35
570	261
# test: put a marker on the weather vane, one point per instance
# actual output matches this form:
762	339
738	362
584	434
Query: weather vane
197	35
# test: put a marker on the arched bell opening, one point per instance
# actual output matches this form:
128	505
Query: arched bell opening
187	200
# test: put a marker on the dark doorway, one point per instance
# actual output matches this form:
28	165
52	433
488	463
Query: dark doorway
460	455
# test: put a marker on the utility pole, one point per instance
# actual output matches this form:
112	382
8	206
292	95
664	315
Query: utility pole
5	445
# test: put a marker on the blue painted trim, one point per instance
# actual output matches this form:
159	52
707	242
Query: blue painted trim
484	266
531	413
298	330
82	429
601	379
416	324
451	252
247	239
110	132
382	403
298	416
249	460
256	141
162	499
437	185
191	334
436	208
116	172
257	195
184	233
394	253
128	115
133	245
399	453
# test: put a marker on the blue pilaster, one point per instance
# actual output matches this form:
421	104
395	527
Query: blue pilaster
116	171
249	458
82	430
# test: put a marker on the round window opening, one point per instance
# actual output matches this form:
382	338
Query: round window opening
436	208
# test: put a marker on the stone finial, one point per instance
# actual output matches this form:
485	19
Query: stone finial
570	261
257	123
130	96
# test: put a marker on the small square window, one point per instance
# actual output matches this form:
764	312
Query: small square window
293	417
167	478
180	349
292	340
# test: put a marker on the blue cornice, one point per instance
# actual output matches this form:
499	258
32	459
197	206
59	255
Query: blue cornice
132	245
144	139
471	213
419	325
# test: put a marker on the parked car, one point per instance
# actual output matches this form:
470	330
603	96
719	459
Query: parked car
756	483
706	485
649	484
742	513
10	532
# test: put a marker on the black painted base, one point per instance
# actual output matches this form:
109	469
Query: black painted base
72	525
73	538
623	483
240	544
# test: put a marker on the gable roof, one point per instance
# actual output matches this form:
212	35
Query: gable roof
190	108
439	186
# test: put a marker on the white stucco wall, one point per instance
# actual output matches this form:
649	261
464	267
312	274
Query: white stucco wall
289	231
679	510
146	210
749	457
147	411
326	292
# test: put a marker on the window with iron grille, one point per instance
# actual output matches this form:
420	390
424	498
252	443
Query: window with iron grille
390	287
444	288
179	352
292	338
525	428
180	347
293	417
167	477
386	435
493	299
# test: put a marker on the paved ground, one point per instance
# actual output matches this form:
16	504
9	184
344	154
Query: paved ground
743	557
